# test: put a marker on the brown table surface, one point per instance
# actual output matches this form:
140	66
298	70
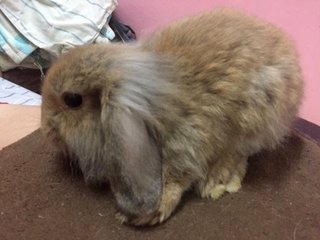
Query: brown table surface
41	199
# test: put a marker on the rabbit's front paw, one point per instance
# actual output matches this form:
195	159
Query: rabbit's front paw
215	191
225	178
170	198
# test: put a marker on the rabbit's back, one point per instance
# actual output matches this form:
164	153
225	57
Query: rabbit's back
237	70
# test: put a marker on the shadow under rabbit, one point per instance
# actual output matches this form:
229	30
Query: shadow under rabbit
271	167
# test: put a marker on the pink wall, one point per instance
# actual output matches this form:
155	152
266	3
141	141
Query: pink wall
301	19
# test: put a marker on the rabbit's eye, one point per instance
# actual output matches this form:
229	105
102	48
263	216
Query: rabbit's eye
72	100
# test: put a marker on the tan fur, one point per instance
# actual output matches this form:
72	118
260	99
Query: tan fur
212	90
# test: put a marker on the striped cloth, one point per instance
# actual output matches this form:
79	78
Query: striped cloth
54	26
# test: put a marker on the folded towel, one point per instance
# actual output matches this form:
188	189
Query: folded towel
52	25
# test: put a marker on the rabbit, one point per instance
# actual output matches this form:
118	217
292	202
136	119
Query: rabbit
181	109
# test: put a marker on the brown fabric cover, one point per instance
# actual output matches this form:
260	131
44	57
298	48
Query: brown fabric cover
41	199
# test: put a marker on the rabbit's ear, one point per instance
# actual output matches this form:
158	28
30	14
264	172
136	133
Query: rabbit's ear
129	110
134	163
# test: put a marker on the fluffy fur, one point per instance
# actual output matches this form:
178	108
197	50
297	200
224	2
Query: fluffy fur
183	108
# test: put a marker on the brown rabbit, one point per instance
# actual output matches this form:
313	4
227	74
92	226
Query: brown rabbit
184	108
